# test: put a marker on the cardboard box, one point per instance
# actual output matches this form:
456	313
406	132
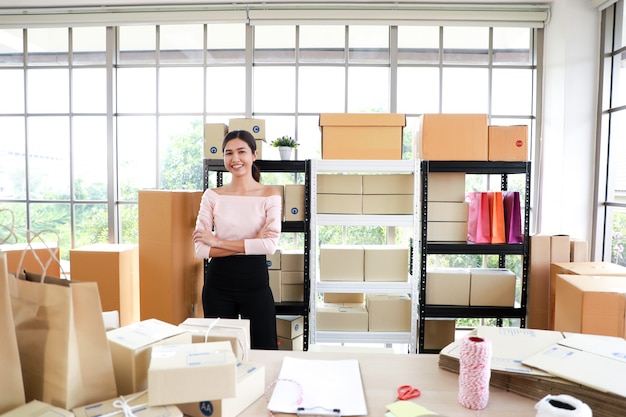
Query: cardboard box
389	184
213	138
36	250
250	387
341	262
452	137
115	268
446	186
508	143
339	184
579	250
295	344
171	288
389	263
492	287
341	317
559	248
538	307
36	408
292	292
292	277
339	204
192	372
254	126
438	333
289	326
389	313
234	331
448	286
447	231
292	260
131	347
345	297
579	268
362	135
591	304
447	211
136	402
294	202
388	204
275	284
273	260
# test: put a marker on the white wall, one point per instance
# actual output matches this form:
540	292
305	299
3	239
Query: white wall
572	39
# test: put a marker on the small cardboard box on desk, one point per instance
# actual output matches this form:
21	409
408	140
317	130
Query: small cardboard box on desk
36	408
136	403
131	347
191	372
235	331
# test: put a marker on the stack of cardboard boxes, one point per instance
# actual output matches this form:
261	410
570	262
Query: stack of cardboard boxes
214	135
290	331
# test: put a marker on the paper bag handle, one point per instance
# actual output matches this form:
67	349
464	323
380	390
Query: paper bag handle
10	229
32	235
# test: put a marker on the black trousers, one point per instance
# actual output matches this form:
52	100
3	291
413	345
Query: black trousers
238	286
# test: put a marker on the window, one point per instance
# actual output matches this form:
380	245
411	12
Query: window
90	115
610	222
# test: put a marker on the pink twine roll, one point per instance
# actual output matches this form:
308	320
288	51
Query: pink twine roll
474	372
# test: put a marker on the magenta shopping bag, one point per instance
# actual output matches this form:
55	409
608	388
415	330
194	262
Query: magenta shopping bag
512	217
478	224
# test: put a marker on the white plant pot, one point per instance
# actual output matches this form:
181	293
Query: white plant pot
285	152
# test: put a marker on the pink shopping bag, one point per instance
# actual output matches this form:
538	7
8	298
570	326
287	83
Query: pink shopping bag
478	227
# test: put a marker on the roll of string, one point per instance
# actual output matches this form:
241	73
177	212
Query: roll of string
474	372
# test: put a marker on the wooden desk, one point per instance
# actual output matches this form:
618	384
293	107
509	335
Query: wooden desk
383	373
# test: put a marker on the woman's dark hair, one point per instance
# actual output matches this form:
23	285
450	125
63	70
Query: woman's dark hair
250	141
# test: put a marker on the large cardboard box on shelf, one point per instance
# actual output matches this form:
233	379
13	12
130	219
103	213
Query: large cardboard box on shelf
275	285
254	126
339	184
131	347
578	268
292	292
389	184
386	263
447	231
294	202
591	304
341	317
492	287
447	211
448	286
292	260
341	263
446	186
33	251
389	312
191	372
362	135
250	387
388	204
344	297
508	143
452	137
171	277
292	277
438	333
339	204
213	137
115	267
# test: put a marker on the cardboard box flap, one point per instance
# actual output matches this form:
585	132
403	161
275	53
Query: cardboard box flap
362	119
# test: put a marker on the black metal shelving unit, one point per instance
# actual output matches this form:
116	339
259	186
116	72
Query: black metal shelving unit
446	248
302	166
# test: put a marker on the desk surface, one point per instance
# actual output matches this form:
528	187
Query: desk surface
383	373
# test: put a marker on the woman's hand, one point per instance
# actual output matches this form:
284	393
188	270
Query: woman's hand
205	236
267	232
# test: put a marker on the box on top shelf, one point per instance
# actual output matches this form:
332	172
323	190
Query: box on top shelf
213	137
508	143
362	135
452	137
254	126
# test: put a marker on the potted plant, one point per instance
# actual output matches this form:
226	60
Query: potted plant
285	145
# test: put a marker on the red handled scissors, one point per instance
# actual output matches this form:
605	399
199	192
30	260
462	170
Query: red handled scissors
406	392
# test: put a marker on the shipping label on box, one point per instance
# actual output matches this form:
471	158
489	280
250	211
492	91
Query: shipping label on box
191	372
341	262
135	403
389	313
448	286
342	317
130	349
386	263
339	204
294	202
389	184
213	138
492	287
289	326
452	137
339	184
250	387
508	143
234	331
254	126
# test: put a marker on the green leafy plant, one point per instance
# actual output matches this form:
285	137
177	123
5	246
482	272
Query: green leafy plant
285	141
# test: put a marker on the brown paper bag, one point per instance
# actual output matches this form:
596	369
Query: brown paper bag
11	383
64	351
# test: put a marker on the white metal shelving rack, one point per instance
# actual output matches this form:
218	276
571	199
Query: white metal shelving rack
410	287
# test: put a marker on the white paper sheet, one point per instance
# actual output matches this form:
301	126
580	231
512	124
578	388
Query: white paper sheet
319	386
